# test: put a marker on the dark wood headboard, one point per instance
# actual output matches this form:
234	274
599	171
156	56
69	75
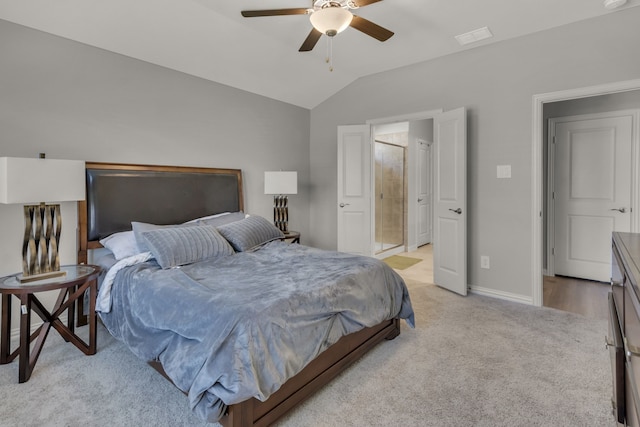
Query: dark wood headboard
120	193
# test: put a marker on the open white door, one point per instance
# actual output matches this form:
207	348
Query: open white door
354	189
450	201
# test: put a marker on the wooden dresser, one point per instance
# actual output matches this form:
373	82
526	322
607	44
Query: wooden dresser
623	337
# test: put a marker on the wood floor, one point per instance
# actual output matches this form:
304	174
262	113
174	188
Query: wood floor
576	295
562	293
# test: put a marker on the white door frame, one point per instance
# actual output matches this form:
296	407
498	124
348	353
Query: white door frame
537	174
551	157
412	190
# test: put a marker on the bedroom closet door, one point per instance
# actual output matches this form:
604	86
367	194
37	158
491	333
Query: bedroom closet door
592	190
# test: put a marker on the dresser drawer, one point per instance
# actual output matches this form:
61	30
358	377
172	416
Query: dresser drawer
630	408
615	344
618	281
632	354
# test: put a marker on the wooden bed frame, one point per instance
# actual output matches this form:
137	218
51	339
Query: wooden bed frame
319	372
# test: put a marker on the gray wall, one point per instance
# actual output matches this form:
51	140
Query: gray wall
74	101
496	84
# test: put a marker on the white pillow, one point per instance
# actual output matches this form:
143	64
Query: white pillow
207	217
123	244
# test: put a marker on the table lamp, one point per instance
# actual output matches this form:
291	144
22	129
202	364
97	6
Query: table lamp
34	183
280	184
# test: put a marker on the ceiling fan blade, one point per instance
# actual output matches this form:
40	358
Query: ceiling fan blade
273	12
310	41
370	29
362	3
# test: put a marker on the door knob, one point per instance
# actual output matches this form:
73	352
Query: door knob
419	200
458	211
621	210
342	205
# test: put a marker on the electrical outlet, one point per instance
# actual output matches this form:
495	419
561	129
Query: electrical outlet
504	171
484	262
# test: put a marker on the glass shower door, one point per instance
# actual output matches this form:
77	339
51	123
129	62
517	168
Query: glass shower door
389	202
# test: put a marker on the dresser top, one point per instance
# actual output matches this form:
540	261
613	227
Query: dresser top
629	246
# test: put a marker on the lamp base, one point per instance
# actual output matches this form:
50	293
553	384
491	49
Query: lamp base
281	212
42	276
43	224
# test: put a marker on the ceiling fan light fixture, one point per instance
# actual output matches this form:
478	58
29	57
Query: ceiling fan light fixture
331	20
613	4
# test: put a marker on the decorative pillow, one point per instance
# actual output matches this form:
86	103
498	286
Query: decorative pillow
141	227
176	246
122	244
250	232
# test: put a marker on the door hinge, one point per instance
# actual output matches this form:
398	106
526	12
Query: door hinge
553	251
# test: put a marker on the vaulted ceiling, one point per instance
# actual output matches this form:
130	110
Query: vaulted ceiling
211	40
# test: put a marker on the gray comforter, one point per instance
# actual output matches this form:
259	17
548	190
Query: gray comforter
237	327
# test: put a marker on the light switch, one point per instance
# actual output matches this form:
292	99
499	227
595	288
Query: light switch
504	171
485	262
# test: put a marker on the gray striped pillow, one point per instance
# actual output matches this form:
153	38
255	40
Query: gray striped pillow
185	245
250	232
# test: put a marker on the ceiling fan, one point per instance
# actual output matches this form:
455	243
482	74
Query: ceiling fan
329	17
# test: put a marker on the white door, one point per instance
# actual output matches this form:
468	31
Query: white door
424	192
354	189
592	197
450	201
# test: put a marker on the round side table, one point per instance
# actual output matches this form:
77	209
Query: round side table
72	286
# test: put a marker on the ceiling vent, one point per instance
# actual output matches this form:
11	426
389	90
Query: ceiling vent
474	36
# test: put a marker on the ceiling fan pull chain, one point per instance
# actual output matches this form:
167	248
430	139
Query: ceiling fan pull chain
330	53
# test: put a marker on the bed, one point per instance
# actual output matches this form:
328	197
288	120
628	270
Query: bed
276	369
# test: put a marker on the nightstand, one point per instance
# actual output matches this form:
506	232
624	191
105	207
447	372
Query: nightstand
292	237
72	287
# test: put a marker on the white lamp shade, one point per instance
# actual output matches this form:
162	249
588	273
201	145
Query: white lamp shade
331	20
281	182
30	181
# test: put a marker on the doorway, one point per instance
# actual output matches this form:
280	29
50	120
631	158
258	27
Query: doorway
355	191
625	95
402	187
589	194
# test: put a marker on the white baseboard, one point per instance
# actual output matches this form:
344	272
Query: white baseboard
15	332
523	299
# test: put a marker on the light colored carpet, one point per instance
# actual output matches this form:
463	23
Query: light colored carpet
401	262
473	361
